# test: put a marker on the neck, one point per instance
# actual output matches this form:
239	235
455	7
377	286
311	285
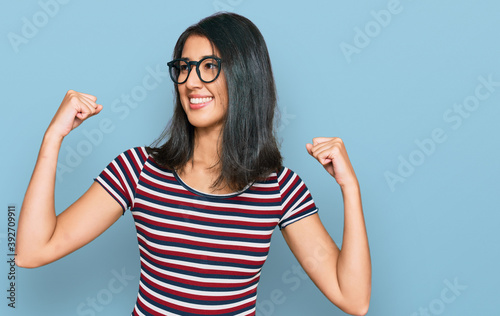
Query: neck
204	168
207	146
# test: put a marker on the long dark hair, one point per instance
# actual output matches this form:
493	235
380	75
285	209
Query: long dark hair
249	148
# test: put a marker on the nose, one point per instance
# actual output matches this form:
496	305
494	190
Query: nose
193	81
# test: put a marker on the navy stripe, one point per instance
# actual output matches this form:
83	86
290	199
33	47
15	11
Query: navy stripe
262	200
265	239
219	263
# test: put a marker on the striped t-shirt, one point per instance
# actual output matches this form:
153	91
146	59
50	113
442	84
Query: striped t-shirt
201	254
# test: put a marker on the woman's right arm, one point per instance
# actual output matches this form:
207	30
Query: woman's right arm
42	236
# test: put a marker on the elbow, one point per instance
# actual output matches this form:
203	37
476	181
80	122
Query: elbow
33	257
360	310
27	262
357	307
21	262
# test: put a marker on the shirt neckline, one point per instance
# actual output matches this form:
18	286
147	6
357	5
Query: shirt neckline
210	195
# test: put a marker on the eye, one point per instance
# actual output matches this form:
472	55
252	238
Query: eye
210	66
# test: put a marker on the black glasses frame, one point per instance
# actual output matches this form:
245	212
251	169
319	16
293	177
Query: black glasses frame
194	63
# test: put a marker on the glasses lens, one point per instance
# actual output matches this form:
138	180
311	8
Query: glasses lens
209	69
179	71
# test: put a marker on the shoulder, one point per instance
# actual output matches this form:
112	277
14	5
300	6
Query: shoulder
136	153
283	178
131	159
286	175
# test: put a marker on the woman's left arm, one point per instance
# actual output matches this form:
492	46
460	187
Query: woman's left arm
344	276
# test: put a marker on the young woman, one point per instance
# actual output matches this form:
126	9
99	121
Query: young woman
207	197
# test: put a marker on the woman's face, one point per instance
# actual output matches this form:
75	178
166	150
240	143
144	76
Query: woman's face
205	104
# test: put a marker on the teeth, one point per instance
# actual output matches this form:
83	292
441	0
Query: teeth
200	100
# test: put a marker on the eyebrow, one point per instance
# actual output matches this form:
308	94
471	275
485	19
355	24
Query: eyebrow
201	57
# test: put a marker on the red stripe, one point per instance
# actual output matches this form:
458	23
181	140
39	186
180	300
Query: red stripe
210	259
196	311
177	214
191	296
263	199
187	194
121	182
228	209
291	198
214	246
148	310
166	265
205	231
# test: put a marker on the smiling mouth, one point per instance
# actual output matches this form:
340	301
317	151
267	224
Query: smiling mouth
196	103
200	100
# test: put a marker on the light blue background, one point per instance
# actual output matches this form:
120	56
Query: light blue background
440	225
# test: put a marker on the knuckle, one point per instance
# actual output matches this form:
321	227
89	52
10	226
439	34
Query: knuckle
339	140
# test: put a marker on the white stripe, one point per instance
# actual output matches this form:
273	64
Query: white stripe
204	240
287	184
205	227
127	189
141	167
266	185
249	312
197	292
285	223
299	209
146	155
184	212
165	173
291	196
259	196
298	201
162	183
179	186
130	165
196	306
131	170
233	205
151	306
199	266
111	189
181	250
282	174
136	308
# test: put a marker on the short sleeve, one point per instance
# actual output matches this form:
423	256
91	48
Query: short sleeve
296	199
121	176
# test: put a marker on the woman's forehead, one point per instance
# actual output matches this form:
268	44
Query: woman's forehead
197	47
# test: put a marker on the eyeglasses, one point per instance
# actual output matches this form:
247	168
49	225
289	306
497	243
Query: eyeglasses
208	69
